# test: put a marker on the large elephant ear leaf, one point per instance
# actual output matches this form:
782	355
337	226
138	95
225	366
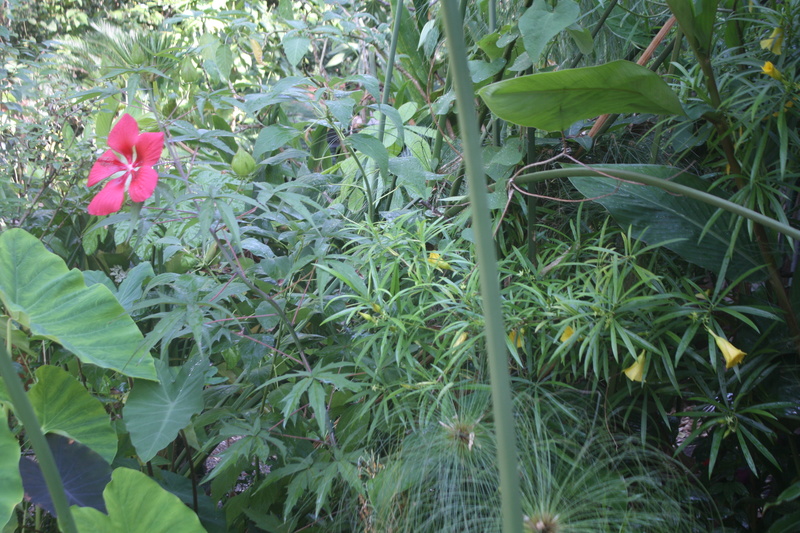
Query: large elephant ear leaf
53	302
553	101
137	504
10	481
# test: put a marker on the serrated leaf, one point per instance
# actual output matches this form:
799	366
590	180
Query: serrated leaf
316	398
553	101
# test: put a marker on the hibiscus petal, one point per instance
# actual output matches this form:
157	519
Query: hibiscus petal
143	184
105	166
109	200
148	148
124	135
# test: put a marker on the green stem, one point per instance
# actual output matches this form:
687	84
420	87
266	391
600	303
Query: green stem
387	88
387	83
23	410
668	186
489	275
596	30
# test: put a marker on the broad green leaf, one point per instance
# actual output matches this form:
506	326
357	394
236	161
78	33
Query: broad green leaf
156	412
582	37
554	101
295	47
137	504
53	302
63	406
539	24
789	494
224	60
273	137
372	147
657	216
83	473
10	480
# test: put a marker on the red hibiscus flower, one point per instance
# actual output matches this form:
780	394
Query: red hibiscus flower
130	162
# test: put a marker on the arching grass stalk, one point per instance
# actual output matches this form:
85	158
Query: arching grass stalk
487	265
668	186
23	410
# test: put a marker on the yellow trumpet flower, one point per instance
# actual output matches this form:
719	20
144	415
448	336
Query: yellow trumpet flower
516	337
774	41
733	355
568	333
635	372
770	70
435	259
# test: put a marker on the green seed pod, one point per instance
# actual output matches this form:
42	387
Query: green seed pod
137	55
243	163
189	72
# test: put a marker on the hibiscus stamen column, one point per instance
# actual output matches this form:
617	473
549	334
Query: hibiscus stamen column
489	275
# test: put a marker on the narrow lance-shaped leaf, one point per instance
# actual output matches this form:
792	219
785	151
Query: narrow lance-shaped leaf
554	101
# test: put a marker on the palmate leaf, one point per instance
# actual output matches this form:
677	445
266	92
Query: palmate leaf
42	294
137	504
554	101
156	412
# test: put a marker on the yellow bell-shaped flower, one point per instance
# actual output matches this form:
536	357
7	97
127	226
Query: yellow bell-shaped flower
568	333
635	372
733	355
770	70
516	337
435	259
774	41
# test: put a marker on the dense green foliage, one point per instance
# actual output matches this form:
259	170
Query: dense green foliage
289	333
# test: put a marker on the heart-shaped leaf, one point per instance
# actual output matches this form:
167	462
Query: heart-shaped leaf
63	406
83	472
10	481
156	412
137	504
42	294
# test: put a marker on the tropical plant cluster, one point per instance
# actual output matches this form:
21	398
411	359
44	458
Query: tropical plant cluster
399	266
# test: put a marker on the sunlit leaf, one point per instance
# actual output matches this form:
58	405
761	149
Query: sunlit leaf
555	100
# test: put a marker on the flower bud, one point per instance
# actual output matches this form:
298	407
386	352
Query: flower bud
189	72
243	163
137	54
